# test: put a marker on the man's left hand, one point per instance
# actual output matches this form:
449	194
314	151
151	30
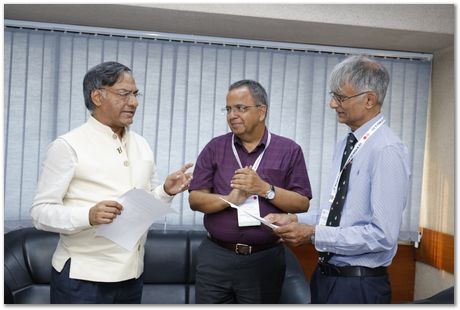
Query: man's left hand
178	181
246	179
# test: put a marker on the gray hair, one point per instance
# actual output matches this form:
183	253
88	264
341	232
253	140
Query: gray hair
257	91
361	73
104	74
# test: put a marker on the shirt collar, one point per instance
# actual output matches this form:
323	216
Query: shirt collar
359	133
263	141
104	129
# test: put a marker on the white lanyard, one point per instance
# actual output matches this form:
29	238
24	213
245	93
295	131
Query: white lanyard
352	155
258	160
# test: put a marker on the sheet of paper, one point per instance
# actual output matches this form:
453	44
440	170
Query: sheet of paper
140	210
260	219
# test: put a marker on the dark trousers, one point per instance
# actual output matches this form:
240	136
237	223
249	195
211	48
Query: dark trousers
349	290
73	291
222	276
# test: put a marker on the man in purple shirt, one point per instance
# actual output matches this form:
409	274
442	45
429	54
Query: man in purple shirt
242	261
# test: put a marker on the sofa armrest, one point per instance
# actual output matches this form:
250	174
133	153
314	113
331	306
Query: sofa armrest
27	265
16	273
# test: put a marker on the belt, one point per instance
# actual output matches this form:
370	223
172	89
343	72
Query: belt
351	271
241	248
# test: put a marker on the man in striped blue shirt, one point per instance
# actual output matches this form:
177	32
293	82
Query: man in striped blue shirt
360	239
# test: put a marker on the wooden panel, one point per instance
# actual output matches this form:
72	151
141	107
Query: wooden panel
436	249
308	258
401	271
402	275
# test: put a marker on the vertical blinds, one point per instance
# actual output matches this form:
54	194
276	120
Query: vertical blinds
184	85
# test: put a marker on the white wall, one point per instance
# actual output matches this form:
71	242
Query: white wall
438	193
438	189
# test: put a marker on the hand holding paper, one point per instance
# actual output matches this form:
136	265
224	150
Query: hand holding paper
104	212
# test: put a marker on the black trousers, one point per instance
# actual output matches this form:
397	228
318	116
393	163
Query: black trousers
222	276
65	290
349	290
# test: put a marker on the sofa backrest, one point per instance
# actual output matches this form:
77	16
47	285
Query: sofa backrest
169	268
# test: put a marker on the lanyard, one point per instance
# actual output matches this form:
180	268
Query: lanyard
258	160
352	155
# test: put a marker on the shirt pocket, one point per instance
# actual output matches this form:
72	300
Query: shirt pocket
275	177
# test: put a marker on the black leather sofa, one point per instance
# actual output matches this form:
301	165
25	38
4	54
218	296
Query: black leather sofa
169	269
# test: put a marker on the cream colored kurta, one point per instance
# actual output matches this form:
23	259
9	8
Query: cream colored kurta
83	167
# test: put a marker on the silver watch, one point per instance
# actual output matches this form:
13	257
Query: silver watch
270	194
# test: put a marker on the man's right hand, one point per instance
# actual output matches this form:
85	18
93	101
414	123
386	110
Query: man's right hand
295	234
237	196
289	229
104	212
281	219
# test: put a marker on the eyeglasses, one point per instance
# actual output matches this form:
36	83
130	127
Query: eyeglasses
124	95
238	108
341	98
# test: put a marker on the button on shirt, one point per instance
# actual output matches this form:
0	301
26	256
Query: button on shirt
282	165
377	195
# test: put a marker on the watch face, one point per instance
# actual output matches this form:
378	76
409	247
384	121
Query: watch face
271	195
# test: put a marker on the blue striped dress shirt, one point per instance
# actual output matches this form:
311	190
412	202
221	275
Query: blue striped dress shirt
377	195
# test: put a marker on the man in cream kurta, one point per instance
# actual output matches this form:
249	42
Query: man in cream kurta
84	172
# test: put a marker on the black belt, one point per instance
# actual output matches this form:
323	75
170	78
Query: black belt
241	248
351	271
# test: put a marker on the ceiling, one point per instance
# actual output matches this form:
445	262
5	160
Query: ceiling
148	18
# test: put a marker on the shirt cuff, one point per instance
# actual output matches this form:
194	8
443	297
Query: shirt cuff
325	238
306	218
160	194
79	217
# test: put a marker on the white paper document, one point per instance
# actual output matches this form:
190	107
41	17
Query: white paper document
260	219
140	210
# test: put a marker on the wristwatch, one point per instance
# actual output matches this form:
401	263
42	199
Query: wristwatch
270	194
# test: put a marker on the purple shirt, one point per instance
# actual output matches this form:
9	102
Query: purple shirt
282	165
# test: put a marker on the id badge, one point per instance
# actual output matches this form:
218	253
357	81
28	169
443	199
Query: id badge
323	218
251	205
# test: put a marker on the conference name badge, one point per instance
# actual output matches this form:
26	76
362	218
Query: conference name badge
251	205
